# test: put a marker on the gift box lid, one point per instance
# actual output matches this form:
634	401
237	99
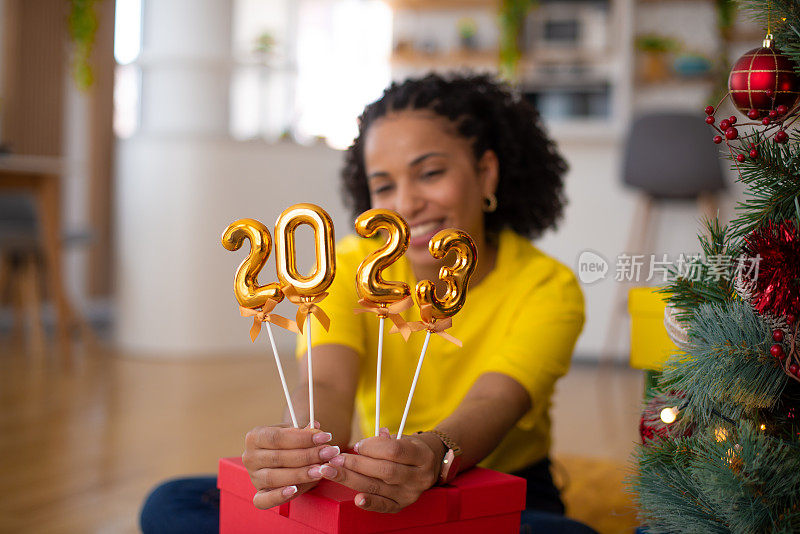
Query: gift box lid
329	507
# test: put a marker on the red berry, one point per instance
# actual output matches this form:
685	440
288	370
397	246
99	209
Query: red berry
778	335
740	158
781	136
732	119
781	109
772	114
765	121
753	114
717	139
777	351
753	153
794	369
709	110
791	318
724	124
732	133
709	120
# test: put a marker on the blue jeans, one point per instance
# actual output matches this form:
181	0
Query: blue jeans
191	506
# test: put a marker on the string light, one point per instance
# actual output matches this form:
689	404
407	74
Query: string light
668	415
763	426
720	434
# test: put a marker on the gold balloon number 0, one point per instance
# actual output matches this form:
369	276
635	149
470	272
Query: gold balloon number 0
245	282
370	284
456	276
286	259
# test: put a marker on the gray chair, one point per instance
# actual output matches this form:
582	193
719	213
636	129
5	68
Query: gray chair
21	263
668	156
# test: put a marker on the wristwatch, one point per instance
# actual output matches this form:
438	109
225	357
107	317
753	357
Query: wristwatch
451	460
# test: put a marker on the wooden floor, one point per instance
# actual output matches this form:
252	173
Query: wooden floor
82	442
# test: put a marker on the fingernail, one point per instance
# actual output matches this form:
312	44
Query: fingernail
360	500
384	430
356	446
327	471
316	424
326	453
321	437
314	472
338	461
288	491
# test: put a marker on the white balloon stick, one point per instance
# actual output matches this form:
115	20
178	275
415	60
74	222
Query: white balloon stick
378	377
283	378
310	376
414	383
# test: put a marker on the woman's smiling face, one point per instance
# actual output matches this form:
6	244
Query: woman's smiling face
419	166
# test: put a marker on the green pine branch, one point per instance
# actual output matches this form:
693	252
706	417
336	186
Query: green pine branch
730	372
783	16
704	285
773	185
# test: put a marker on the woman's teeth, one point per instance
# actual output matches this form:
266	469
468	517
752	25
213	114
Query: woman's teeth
423	229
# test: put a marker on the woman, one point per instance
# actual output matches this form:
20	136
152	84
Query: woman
443	152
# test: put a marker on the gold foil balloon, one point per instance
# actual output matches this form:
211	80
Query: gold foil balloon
369	283
245	283
455	276
325	269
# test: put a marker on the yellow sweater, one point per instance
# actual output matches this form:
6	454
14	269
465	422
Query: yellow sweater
522	320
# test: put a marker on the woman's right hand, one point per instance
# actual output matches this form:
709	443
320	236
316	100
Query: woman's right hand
285	462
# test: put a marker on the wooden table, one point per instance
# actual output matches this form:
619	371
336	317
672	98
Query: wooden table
41	176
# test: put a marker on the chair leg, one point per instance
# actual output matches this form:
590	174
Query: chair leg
638	241
708	205
31	298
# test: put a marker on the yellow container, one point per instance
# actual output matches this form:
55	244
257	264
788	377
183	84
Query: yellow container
650	344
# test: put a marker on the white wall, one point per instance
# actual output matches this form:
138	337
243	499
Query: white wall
175	197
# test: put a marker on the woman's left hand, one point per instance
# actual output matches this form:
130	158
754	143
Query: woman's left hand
388	473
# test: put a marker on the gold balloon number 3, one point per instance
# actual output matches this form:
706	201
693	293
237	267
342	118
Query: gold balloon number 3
456	276
245	282
369	282
286	259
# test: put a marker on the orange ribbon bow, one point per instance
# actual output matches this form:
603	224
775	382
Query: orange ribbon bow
264	316
391	311
306	307
432	325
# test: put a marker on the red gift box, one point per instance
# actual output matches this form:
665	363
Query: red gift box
477	501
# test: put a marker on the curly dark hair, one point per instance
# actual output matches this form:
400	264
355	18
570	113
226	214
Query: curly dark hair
529	194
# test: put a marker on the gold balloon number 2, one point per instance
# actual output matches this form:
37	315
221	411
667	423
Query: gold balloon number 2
370	284
456	276
245	284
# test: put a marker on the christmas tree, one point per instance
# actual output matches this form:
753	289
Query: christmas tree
720	432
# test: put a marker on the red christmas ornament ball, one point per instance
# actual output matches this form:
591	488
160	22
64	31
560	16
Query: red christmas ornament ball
763	79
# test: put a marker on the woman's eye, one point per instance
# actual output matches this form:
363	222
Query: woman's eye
382	189
432	174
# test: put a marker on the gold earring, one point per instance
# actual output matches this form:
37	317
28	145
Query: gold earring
489	203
